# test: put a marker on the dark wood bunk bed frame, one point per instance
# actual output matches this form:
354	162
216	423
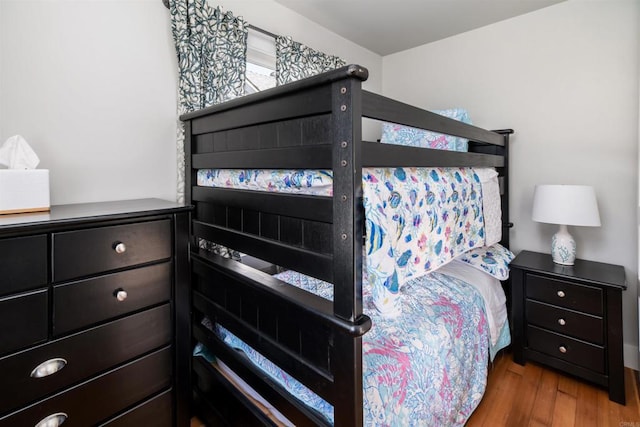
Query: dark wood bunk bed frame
315	123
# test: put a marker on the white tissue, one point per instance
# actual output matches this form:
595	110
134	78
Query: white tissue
16	153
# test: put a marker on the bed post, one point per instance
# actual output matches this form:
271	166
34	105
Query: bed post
348	216
504	185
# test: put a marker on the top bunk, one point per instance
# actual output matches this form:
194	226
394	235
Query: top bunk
304	124
314	124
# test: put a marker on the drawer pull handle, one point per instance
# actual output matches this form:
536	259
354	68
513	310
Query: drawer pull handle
48	367
53	420
121	295
561	294
562	349
562	322
120	247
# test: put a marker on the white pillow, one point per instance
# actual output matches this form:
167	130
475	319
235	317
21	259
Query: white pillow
489	288
491	205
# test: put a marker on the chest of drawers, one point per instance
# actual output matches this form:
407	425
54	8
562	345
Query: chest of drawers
88	330
570	318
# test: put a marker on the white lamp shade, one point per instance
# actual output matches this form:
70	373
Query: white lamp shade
566	205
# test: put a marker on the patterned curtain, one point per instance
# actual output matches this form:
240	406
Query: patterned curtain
295	61
212	53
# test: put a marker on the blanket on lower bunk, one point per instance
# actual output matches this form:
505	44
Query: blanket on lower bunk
426	367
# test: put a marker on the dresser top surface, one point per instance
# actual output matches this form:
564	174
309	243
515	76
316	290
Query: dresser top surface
587	271
81	212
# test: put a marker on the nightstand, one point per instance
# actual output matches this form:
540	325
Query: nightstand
570	318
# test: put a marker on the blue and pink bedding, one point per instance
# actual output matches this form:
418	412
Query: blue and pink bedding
393	133
417	219
427	367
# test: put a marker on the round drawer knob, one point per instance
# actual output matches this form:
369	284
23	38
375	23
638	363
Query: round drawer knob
562	349
120	248
53	420
561	294
48	367
121	295
561	322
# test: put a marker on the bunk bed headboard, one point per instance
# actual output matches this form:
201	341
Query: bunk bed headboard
315	123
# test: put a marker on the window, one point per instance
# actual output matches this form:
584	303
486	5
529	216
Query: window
261	62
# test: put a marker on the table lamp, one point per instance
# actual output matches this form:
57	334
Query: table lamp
565	205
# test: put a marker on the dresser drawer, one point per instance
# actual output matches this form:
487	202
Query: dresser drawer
23	320
86	252
82	355
82	303
576	352
23	264
565	294
96	400
158	409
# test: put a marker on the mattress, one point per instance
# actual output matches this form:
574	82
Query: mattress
427	367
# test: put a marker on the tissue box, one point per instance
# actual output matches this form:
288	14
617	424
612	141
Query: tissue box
24	190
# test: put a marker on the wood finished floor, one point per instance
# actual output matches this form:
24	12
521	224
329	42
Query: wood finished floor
531	395
535	396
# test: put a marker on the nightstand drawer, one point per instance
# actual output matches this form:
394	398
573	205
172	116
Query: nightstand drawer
82	303
94	401
86	252
565	294
567	322
82	355
570	350
23	264
23	320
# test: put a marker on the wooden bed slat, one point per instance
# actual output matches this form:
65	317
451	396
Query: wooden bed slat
308	157
218	400
290	407
380	107
389	155
304	261
208	265
316	101
313	208
208	376
319	382
308	130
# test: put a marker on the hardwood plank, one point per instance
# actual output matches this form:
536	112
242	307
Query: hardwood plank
602	419
586	404
564	411
568	385
485	407
542	413
504	400
631	412
521	409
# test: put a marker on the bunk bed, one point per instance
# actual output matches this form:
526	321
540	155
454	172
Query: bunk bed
311	124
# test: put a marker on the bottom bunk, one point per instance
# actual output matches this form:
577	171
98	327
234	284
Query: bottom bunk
426	367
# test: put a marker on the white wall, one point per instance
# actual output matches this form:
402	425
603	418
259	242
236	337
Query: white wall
91	85
566	79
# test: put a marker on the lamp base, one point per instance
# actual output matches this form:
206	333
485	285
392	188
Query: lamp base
563	247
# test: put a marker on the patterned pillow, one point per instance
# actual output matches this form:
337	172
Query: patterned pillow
405	135
493	260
